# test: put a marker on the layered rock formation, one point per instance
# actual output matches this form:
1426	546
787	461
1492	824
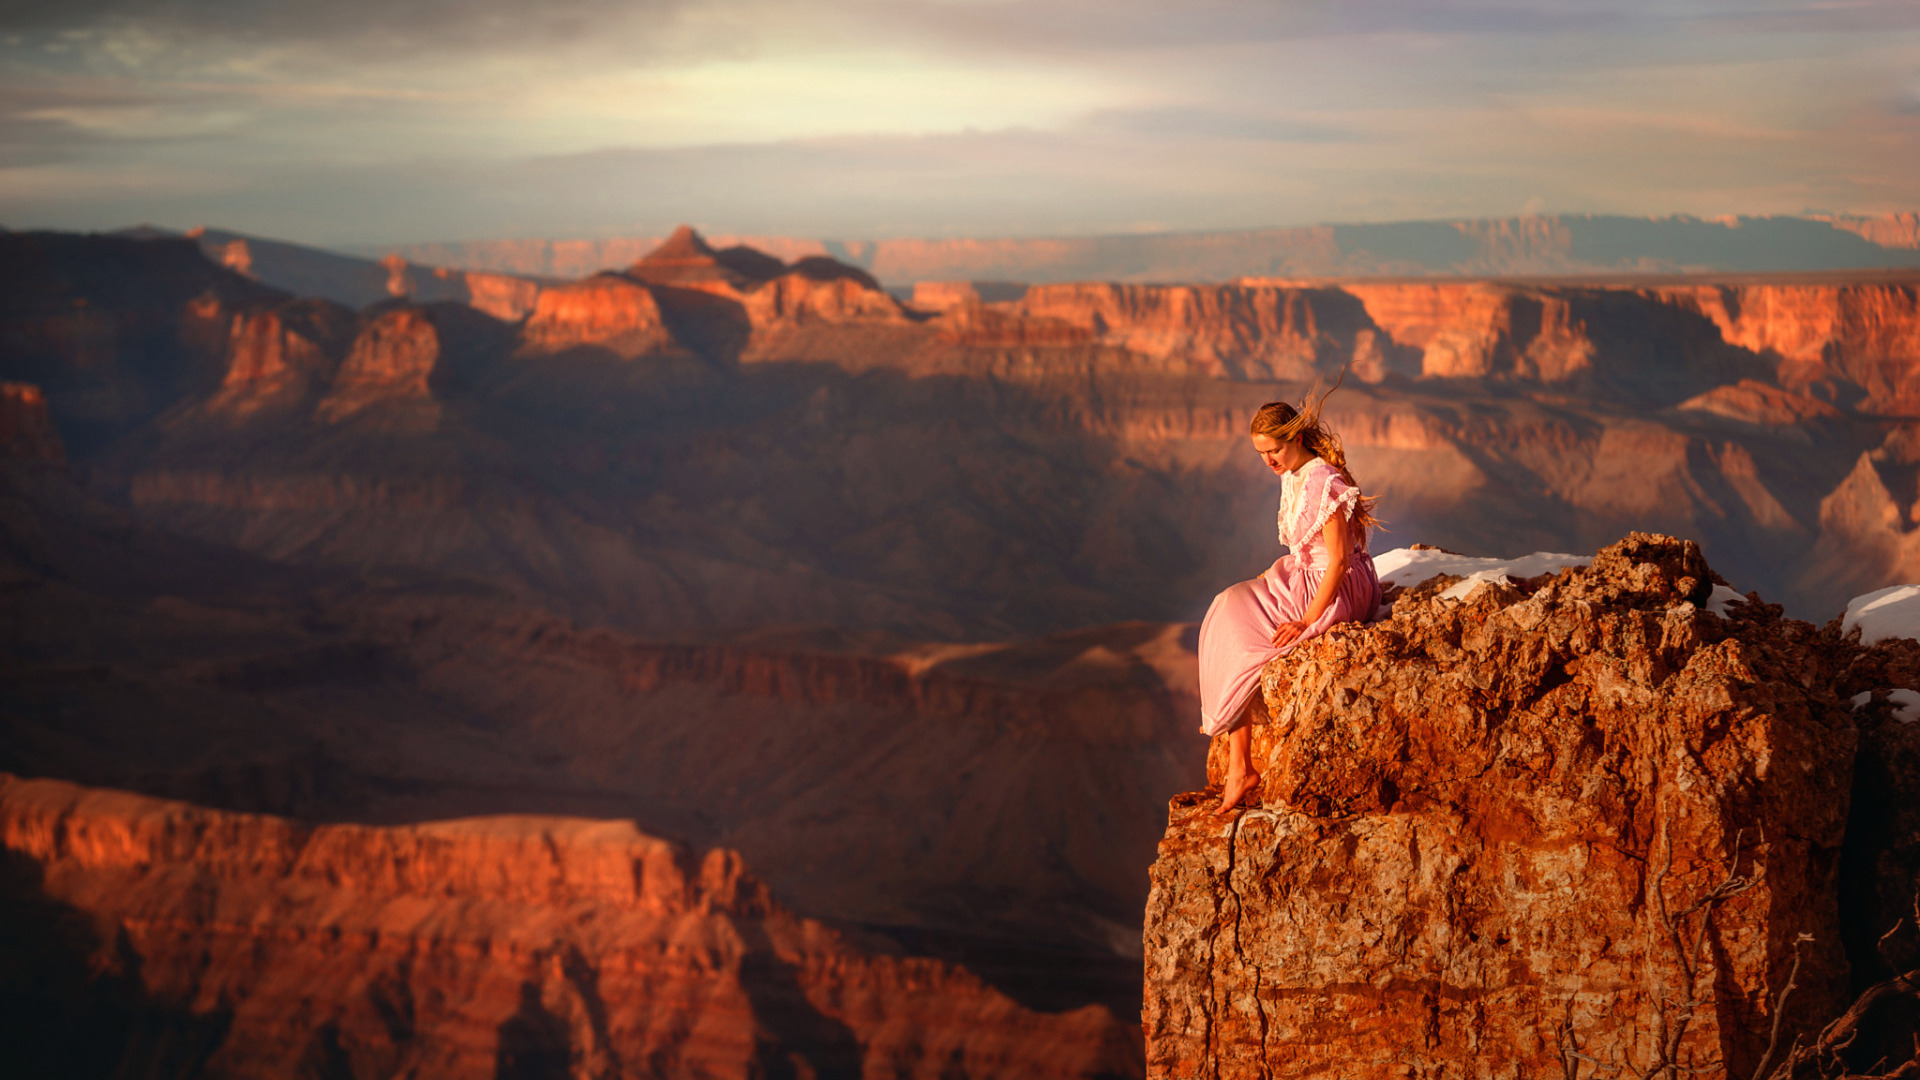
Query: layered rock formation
504	946
1730	412
1493	827
1544	244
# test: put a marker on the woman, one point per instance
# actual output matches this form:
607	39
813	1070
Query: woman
1325	578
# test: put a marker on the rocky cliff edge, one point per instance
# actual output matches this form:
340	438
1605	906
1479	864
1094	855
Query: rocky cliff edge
1593	822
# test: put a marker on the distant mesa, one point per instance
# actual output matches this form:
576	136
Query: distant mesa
353	281
942	295
1536	245
686	260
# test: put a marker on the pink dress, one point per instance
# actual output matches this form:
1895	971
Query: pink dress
1234	638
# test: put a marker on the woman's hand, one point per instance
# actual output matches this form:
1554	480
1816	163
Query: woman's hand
1287	633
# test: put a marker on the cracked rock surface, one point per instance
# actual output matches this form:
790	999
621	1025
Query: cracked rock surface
1473	811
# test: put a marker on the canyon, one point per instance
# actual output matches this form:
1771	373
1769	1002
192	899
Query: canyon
894	600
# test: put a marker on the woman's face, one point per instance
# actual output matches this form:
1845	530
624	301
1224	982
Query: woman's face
1278	455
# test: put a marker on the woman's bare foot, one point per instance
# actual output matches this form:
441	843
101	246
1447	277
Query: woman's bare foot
1235	789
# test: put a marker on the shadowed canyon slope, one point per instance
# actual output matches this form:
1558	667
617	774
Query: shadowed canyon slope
890	600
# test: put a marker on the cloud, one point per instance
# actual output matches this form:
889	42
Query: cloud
387	27
1204	122
431	119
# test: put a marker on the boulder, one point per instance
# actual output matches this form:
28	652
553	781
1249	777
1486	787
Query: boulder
1577	815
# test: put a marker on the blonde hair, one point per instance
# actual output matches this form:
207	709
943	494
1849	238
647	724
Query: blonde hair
1282	422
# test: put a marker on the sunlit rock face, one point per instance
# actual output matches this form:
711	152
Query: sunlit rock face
606	311
503	946
1483	819
277	356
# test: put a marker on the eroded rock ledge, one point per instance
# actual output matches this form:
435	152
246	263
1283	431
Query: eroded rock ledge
156	938
1474	811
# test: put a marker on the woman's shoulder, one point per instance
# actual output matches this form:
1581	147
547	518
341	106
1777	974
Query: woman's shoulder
1319	469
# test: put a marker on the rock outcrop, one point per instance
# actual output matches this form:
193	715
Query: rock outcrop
1492	826
392	363
278	357
606	311
26	428
687	297
506	946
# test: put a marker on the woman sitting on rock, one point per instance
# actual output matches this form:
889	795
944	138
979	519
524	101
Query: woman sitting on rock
1326	577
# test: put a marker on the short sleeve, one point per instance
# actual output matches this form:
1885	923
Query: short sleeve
1324	493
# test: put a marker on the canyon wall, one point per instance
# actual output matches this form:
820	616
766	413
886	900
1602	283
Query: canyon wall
1544	244
232	944
1745	404
1491	827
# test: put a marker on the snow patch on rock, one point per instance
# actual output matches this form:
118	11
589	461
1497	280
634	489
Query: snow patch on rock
1407	567
1908	700
1722	596
1884	613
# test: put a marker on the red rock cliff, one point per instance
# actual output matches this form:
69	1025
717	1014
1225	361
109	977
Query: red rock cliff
508	946
1822	334
1483	821
605	311
392	361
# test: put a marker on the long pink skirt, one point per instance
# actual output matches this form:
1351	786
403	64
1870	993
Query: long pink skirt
1234	639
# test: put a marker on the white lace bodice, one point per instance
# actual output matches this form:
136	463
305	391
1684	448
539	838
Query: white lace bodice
1308	496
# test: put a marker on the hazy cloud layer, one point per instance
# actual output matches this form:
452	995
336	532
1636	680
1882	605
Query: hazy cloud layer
425	119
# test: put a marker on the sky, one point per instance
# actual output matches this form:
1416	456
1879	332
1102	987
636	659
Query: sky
356	122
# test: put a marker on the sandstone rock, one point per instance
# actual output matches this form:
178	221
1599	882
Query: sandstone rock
278	356
685	260
493	946
1827	337
941	295
1223	331
607	312
26	428
393	359
502	296
1757	403
1472	815
1458	329
1897	230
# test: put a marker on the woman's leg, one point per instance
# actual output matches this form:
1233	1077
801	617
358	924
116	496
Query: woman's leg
1240	777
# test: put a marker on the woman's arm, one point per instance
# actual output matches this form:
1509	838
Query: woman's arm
1334	534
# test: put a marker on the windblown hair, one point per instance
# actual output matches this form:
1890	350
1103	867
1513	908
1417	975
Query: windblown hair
1282	422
